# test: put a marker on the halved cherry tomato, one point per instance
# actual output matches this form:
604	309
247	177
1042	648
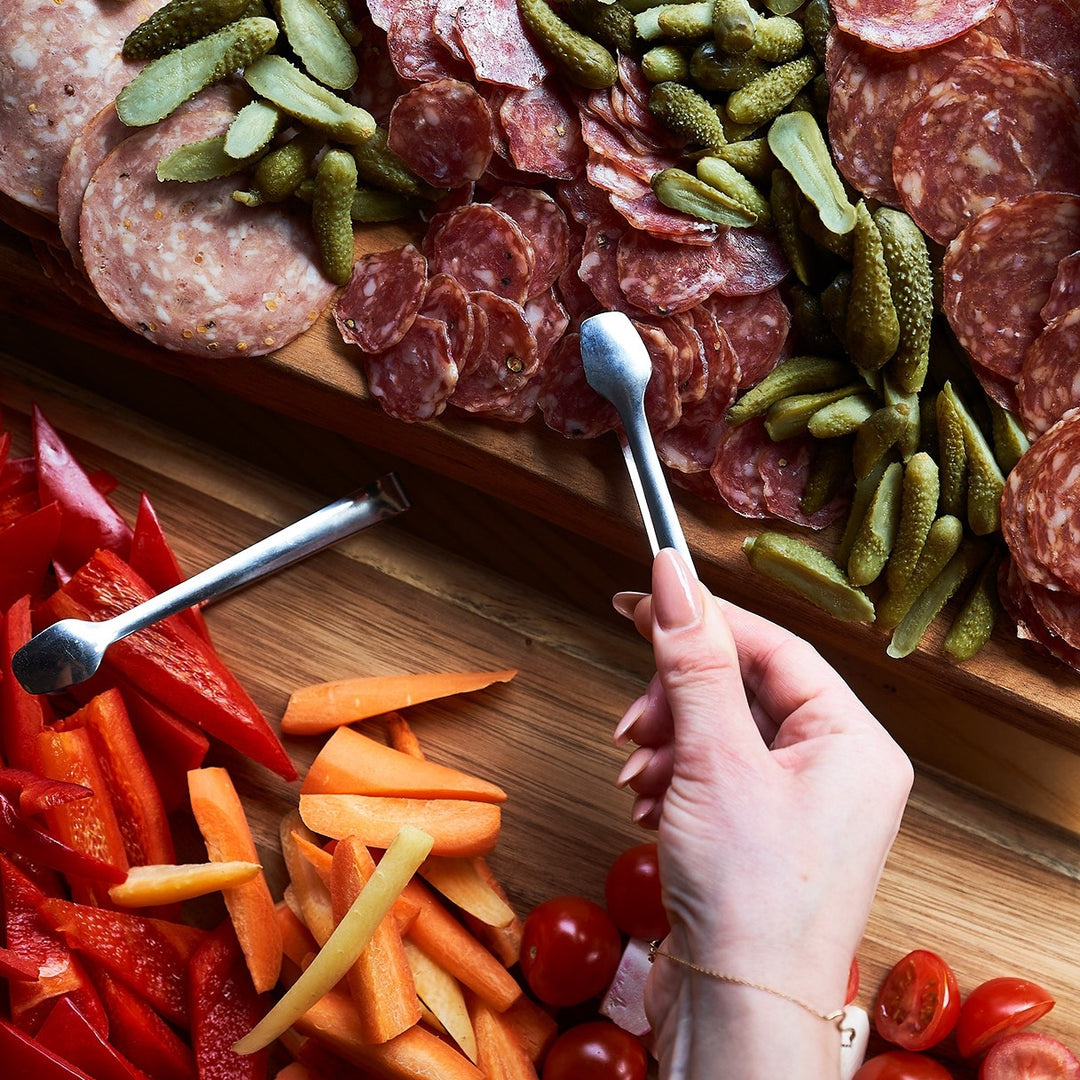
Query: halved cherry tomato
918	1003
902	1065
632	893
1029	1055
570	950
997	1008
597	1050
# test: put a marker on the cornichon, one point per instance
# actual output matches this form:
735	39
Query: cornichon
206	159
1010	439
784	207
718	173
342	14
768	94
252	129
918	510
974	623
778	39
843	417
711	69
368	204
796	140
279	172
942	543
952	456
790	416
331	213
874	540
685	22
860	501
810	573
178	23
664	63
871	328
817	20
583	61
829	472
752	157
276	79
797	375
610	24
685	192
875	437
170	80
380	166
908	405
683	111
319	43
985	481
734	24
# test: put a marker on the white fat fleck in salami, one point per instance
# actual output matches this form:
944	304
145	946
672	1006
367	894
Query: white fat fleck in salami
416	51
568	404
662	277
998	273
413	379
444	131
1049	383
909	24
735	469
501	360
186	265
60	64
1065	290
785	468
994	128
496	43
383	296
542	131
543	222
870	82
485	250
757	327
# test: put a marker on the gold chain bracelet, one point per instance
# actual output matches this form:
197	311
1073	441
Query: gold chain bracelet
835	1017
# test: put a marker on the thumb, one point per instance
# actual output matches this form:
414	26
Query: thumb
698	664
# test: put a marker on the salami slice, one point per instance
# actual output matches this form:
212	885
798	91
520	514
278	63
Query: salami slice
543	222
485	250
414	378
568	404
417	53
994	128
548	320
752	262
189	267
1017	601
1050	375
870	82
542	131
1059	611
998	273
444	131
662	277
447	301
382	298
757	327
647	213
909	24
502	358
599	267
1065	290
60	65
663	406
692	366
1045	32
784	468
735	469
498	46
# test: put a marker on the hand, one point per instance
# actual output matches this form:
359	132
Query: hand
776	796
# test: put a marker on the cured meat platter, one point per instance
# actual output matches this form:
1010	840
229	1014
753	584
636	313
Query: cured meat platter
985	887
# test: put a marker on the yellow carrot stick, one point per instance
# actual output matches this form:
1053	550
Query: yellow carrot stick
169	883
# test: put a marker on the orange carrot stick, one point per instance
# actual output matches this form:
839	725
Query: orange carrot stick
310	889
224	826
456	826
322	707
381	981
353	764
503	941
535	1026
402	736
500	1052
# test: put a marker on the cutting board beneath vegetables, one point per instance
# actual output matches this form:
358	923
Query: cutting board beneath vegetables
1008	721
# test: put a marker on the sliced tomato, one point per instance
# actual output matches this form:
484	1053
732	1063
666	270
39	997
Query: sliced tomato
918	1003
902	1065
996	1008
1029	1055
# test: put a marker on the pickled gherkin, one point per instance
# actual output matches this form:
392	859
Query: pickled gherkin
331	213
798	375
908	262
871	330
687	193
179	23
767	95
734	25
918	511
873	543
685	112
582	60
974	623
319	43
609	24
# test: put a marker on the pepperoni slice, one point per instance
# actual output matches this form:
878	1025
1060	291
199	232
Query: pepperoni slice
1017	601
1045	32
384	294
994	128
485	250
543	222
599	267
909	24
648	214
413	379
752	260
1048	377
502	359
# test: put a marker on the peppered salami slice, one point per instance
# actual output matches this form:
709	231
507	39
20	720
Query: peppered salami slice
998	273
498	46
186	265
1015	594
1049	386
1059	610
574	294
994	128
614	177
548	320
609	142
444	131
502	358
542	131
446	300
785	467
870	82
1045	32
735	469
599	265
485	250
568	404
384	294
1065	290
414	378
909	24
662	277
647	213
757	327
692	366
543	222
752	261
417	53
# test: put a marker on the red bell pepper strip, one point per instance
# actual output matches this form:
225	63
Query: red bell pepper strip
26	550
150	955
18	489
21	837
169	661
66	752
103	481
90	520
141	1035
57	970
35	793
14	966
22	715
224	1007
155	561
68	1035
24	1056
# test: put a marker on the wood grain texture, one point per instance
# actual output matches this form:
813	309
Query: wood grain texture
993	891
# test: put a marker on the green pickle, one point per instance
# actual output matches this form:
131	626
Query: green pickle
689	194
582	60
196	162
872	329
873	543
974	623
767	95
179	23
331	213
734	25
683	111
609	24
790	416
918	511
797	375
908	263
319	43
943	540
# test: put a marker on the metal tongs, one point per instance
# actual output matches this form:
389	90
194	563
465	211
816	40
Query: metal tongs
70	651
618	366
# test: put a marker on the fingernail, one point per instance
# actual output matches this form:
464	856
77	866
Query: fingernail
625	602
629	719
644	807
634	765
676	594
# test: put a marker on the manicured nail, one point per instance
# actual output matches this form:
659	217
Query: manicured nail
645	807
629	719
676	593
634	765
625	602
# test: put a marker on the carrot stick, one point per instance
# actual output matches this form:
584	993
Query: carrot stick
535	1026
456	826
311	891
224	826
353	764
402	736
442	995
503	941
500	1052
464	885
380	981
321	707
451	945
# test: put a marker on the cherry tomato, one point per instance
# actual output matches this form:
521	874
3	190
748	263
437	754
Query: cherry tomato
632	894
918	1002
1029	1055
996	1008
597	1050
570	950
902	1065
852	981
